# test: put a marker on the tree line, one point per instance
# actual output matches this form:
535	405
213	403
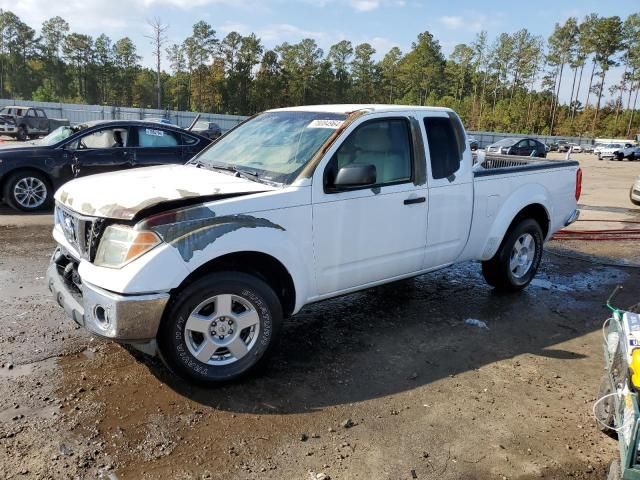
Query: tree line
509	83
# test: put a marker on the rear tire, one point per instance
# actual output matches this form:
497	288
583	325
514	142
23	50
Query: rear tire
620	156
28	191
517	260
220	328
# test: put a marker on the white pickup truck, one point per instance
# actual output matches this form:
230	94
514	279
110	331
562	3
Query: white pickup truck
201	262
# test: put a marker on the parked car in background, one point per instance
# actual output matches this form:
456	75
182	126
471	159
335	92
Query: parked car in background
31	172
587	148
204	261
553	146
634	193
207	129
575	148
30	122
473	143
563	146
518	146
617	151
597	148
164	121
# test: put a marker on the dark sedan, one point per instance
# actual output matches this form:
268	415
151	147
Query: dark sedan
207	129
519	146
30	173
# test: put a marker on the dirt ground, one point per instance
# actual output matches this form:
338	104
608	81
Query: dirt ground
385	384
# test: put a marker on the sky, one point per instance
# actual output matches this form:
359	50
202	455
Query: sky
382	23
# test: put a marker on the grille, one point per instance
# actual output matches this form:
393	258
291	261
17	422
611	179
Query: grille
82	233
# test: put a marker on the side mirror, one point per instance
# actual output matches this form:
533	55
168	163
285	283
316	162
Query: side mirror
356	175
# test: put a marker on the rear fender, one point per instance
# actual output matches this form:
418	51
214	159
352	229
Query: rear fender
519	199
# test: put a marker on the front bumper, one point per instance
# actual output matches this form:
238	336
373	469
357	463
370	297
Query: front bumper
124	318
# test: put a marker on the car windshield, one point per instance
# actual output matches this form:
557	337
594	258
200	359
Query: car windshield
505	142
202	125
57	135
273	146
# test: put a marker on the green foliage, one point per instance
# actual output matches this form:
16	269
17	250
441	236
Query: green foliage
508	83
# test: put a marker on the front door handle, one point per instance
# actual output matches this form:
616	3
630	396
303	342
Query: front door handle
411	201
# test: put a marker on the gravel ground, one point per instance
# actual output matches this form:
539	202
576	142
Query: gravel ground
385	384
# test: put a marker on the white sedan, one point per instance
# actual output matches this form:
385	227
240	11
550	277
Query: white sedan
576	148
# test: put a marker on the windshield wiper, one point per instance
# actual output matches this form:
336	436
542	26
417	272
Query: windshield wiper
239	172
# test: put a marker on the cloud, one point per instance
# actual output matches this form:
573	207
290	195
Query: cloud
452	22
471	21
358	5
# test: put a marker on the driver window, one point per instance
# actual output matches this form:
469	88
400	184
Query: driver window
31	113
385	144
107	138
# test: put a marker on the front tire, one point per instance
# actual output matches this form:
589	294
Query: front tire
220	328
517	260
28	191
22	135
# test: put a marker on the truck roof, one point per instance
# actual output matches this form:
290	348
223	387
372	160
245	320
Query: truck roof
348	108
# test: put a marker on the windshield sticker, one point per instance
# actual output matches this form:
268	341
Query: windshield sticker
157	133
333	124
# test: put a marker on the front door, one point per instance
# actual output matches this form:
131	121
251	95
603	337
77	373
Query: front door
156	146
367	234
450	188
101	151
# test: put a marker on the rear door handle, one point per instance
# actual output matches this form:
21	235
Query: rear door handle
411	201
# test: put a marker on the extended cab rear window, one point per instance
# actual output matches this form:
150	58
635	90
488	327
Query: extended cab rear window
445	137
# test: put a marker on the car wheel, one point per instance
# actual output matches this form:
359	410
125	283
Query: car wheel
28	191
620	156
21	135
517	260
220	328
599	157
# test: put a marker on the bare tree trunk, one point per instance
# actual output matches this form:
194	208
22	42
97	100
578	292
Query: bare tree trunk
573	87
633	110
593	70
158	39
575	106
595	117
557	101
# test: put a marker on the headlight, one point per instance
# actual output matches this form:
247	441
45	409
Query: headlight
121	245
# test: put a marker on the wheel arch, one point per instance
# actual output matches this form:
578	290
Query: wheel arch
260	264
528	202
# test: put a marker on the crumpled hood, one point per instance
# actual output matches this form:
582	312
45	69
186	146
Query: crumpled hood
121	195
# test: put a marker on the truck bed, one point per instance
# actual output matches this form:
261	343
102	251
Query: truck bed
495	164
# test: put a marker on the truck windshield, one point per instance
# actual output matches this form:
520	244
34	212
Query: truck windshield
273	146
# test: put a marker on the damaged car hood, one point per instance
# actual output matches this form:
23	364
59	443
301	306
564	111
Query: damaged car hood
122	195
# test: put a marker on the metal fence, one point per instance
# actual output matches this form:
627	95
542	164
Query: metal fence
76	113
487	138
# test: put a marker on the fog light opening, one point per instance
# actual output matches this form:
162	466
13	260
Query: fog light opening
101	316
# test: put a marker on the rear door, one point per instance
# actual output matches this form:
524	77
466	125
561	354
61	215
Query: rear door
450	188
154	145
99	151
